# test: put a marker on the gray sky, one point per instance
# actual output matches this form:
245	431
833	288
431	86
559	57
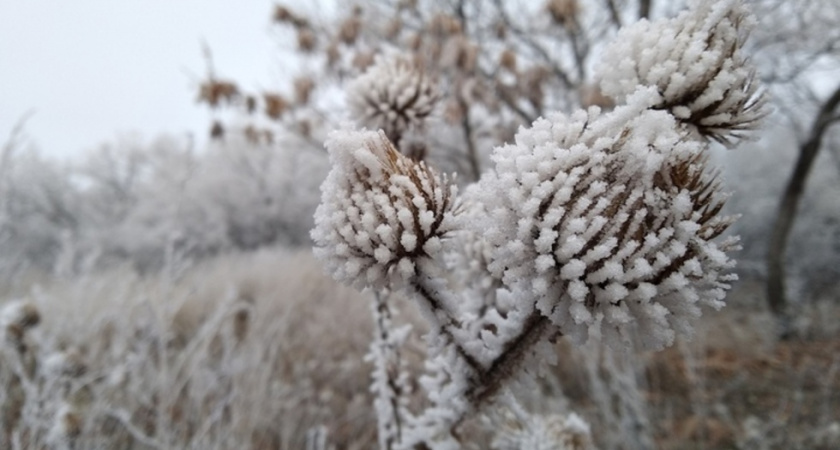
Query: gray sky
92	70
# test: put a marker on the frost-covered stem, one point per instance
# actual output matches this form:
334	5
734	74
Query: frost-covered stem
510	362
124	418
441	318
387	384
466	126
644	9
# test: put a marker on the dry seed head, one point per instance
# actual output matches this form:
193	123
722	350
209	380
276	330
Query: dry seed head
380	211
349	30
68	363
216	92
393	95
508	60
22	313
591	95
363	59
285	15
531	83
303	89
306	40
333	54
460	52
275	105
444	25
564	12
500	29
696	64
393	28
609	221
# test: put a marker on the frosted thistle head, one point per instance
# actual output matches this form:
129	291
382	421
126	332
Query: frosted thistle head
607	222
695	62
380	211
393	95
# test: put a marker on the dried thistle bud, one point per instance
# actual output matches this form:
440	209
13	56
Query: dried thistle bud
608	221
20	313
461	52
349	30
392	95
216	92
285	15
531	82
333	54
508	60
591	95
306	39
303	89
380	211
444	25
363	59
696	64
564	12
275	105
392	30
65	364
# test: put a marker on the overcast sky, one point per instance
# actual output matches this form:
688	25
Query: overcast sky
92	70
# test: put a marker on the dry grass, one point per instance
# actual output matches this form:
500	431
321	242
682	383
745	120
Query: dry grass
262	351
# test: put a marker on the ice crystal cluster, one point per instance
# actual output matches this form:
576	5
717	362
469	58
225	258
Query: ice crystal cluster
392	95
380	211
696	63
608	221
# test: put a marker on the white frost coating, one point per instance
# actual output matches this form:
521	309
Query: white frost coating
20	313
364	241
392	95
519	429
625	193
696	64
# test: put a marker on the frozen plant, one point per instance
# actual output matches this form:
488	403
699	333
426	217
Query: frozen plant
392	95
600	226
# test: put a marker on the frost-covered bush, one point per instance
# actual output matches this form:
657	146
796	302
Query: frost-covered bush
252	351
152	204
596	225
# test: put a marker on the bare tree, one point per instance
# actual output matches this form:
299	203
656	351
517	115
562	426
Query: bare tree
827	116
799	42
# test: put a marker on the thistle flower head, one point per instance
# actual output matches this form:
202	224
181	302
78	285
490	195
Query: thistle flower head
393	95
696	64
380	211
607	221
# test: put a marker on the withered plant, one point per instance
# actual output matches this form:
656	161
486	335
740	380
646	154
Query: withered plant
592	226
